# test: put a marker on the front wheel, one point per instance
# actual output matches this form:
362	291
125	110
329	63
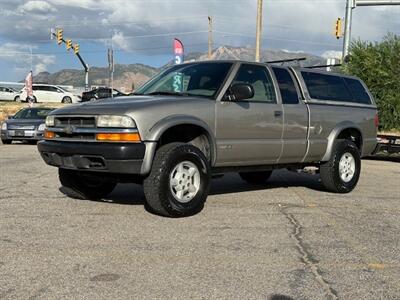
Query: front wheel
85	185
6	142
17	99
179	181
341	173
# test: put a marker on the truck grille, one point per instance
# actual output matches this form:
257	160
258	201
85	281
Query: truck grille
73	128
83	122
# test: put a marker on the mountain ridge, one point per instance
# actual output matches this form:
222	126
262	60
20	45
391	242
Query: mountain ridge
130	76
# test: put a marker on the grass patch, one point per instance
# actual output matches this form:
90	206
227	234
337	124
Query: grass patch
10	108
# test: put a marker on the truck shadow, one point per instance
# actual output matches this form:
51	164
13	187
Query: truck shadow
232	183
383	157
132	194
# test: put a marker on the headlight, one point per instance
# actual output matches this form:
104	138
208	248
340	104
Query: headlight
50	121
4	126
115	121
42	127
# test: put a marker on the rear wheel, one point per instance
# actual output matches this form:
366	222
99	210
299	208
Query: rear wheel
6	142
66	100
85	185
34	99
341	173
179	181
256	177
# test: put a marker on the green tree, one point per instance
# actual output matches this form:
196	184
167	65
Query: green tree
378	65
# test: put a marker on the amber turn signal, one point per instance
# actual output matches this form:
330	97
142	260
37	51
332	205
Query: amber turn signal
49	134
118	137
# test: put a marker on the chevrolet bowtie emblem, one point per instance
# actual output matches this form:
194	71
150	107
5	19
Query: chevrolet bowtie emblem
69	129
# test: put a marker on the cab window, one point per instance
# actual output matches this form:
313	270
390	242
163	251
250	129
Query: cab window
259	78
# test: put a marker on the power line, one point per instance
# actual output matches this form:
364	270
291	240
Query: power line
97	51
273	38
143	21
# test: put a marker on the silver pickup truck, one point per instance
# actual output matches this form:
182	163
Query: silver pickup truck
196	120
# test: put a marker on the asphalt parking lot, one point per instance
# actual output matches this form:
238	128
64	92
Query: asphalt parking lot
286	240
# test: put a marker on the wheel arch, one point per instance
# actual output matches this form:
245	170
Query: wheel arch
345	130
176	123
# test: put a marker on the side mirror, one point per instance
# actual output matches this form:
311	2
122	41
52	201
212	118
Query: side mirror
242	91
10	117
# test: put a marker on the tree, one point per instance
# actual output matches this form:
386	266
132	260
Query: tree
378	65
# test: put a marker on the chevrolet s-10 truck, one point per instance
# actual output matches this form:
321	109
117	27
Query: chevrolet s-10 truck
199	119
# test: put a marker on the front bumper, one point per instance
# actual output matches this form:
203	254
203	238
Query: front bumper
119	158
17	134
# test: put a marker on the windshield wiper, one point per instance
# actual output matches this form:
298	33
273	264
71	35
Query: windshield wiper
166	93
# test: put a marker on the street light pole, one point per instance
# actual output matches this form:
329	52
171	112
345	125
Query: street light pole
350	5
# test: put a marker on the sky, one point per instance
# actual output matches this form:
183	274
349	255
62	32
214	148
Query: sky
142	31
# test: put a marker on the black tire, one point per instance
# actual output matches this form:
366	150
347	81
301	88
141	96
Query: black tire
260	177
6	142
34	99
85	185
330	174
157	189
66	100
17	99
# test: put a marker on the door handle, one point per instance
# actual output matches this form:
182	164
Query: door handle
277	113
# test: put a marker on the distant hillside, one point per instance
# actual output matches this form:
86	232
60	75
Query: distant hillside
248	54
136	74
124	76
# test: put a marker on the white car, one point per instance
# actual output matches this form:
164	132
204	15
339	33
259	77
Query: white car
9	94
50	93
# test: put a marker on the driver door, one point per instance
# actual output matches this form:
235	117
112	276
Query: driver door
249	132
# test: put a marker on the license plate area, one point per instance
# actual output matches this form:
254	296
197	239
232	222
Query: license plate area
19	133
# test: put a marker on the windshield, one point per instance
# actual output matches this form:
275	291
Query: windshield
32	113
197	79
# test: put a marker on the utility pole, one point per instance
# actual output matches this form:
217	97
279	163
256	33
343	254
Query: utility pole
350	5
210	24
258	29
111	68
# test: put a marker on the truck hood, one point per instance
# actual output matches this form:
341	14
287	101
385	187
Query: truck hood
124	105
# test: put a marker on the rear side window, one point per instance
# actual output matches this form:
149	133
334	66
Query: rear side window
286	86
51	89
326	87
358	91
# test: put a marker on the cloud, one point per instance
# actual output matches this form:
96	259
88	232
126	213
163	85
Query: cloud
332	54
19	56
36	6
120	41
296	25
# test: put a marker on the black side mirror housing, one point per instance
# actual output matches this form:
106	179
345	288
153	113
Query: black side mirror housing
242	91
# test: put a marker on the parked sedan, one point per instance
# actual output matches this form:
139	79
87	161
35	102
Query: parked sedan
9	94
28	124
99	93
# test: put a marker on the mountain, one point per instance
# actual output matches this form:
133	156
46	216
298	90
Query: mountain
126	76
